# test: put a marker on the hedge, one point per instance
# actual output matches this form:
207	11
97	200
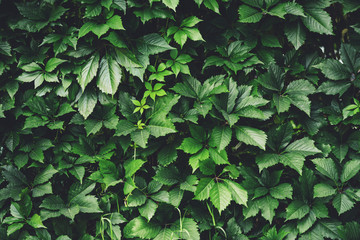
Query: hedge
179	119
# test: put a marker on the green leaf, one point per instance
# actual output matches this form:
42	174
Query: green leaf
36	222
220	137
109	75
323	190
89	71
193	33
296	34
251	136
86	28
326	166
296	210
267	160
185	228
45	175
148	210
86	103
212	5
294	8
238	193
351	168
53	63
99	29
190	145
334	70
140	137
342	203
14	227
268	206
171	3
333	88
180	37
132	166
115	22
293	160
190	22
220	196
317	20
139	227
282	191
92	126
153	44
248	14
304	146
203	188
218	157
307	222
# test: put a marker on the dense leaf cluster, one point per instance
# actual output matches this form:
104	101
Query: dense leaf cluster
179	119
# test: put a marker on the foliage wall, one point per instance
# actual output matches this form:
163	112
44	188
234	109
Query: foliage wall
179	119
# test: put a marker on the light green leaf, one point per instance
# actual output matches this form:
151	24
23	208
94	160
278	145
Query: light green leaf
139	227
132	166
193	33
89	71
323	190
45	175
218	157
36	222
53	63
282	103
248	14
212	5
304	146
294	8
267	160
282	191
190	145
342	203
238	193
86	103
220	137
220	196
109	75
148	210
171	3
86	28
295	33
326	166
99	29
297	210
140	137
251	136
115	22
268	205
203	188
180	37
350	169
293	160
185	228
317	20
190	22
153	44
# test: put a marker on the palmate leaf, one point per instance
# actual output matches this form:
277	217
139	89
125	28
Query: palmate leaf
334	70
326	166
203	188
238	193
109	75
295	33
186	228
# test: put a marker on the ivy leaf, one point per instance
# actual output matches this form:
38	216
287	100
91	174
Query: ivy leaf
248	14
323	190
139	227
109	75
220	196
295	33
326	166
45	175
203	188
220	137
238	193
89	71
186	229
115	22
317	20
334	70
251	136
153	44
282	191
148	210
53	63
171	4
296	210
86	103
342	203
35	221
351	168
212	5
190	145
140	137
